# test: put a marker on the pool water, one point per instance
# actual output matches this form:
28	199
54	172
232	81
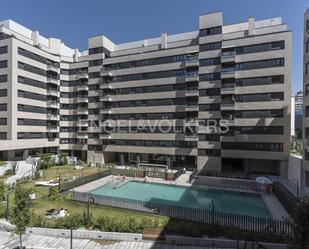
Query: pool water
192	197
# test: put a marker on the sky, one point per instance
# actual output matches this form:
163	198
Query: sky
73	21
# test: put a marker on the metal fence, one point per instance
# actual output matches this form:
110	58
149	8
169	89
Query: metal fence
83	180
239	221
227	183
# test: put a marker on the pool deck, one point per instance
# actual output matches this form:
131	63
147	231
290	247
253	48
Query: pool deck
274	206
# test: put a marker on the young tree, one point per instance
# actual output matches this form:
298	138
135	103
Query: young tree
63	160
300	224
2	198
22	210
45	160
55	196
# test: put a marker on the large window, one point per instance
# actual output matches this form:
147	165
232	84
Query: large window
260	97
260	64
210	46
210	62
257	48
264	80
211	31
276	147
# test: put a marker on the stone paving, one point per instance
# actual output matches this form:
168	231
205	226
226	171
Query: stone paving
47	242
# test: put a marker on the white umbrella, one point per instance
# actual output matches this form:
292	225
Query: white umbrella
263	180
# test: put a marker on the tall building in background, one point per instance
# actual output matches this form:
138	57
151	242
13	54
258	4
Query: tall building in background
224	90
298	111
305	170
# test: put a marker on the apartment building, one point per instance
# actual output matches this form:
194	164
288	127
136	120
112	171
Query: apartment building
215	99
305	161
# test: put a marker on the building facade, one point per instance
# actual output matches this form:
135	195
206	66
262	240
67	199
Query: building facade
299	111
215	100
305	170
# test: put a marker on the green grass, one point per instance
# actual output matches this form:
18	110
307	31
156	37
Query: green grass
43	202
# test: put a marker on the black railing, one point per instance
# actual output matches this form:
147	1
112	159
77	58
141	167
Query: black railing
230	220
83	180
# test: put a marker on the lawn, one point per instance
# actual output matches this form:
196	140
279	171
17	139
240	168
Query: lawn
43	202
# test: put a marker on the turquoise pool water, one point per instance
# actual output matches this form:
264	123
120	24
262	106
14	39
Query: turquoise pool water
194	197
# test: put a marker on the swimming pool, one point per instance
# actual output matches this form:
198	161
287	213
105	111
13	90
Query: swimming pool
192	197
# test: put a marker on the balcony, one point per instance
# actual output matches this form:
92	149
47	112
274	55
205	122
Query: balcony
52	104
106	73
191	76
106	111
52	67
52	128
52	92
227	105
228	88
82	135
83	88
82	100
191	61
82	111
82	122
82	75
191	92
105	136
228	72
105	98
191	107
228	57
51	116
51	80
105	86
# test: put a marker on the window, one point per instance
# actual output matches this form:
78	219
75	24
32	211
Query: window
209	76
3	64
209	152
260	97
254	81
307	68
3	136
307	45
3	78
3	107
257	48
275	147
210	62
210	46
260	64
95	63
3	121
211	31
3	92
3	50
97	50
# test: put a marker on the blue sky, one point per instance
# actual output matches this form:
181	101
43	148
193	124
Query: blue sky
127	20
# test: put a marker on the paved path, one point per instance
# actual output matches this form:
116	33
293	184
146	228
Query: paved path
46	242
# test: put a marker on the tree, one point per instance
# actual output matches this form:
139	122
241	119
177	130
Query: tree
22	210
300	224
45	160
63	160
55	196
2	198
